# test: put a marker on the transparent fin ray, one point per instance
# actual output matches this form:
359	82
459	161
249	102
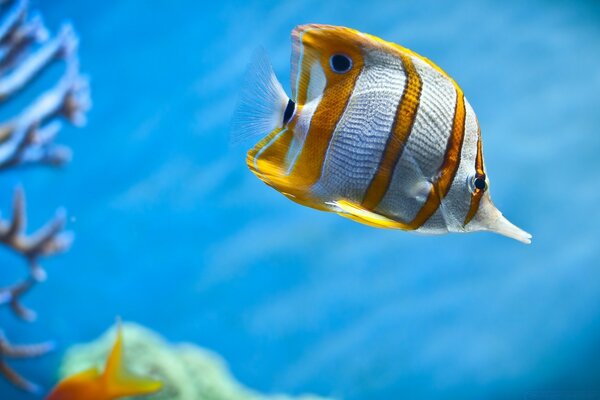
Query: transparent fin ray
262	101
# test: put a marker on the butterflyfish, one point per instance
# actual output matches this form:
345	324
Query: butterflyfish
112	383
373	131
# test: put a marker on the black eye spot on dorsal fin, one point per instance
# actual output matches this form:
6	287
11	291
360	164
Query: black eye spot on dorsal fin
289	111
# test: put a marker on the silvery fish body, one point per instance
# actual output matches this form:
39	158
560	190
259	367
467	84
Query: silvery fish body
373	132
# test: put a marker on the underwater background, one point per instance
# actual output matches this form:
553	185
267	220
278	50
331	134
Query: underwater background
175	233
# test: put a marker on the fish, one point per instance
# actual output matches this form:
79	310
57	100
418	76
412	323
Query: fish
373	132
113	383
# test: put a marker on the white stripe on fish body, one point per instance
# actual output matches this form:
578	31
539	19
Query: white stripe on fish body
314	93
455	205
316	86
424	151
300	132
434	119
360	137
317	82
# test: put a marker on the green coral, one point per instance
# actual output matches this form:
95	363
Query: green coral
188	372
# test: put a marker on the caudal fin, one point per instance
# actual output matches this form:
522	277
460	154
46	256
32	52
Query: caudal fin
262	102
118	381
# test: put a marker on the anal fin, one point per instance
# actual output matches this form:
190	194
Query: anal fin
358	213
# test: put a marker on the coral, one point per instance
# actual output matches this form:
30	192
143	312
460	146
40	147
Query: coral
48	240
188	372
9	350
27	138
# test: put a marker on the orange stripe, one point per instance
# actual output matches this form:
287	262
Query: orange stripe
441	186
479	159
477	194
309	164
403	123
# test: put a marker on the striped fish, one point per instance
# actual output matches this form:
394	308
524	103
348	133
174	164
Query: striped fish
373	132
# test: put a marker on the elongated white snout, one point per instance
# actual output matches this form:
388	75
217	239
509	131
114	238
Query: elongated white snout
489	218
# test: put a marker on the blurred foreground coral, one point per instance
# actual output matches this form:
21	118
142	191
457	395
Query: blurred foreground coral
188	372
27	133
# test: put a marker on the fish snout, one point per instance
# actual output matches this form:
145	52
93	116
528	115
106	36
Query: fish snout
489	218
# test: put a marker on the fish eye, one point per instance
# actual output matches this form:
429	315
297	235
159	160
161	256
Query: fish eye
479	182
340	63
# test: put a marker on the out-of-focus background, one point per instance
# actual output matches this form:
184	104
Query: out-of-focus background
175	233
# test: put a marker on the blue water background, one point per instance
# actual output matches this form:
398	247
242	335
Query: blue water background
175	233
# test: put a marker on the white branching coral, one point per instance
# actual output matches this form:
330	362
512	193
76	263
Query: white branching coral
46	241
12	351
28	138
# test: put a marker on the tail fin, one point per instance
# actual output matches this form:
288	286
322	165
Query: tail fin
119	382
262	102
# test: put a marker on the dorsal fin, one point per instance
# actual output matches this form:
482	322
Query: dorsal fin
262	104
118	382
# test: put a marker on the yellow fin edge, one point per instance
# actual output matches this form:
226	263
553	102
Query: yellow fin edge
358	213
